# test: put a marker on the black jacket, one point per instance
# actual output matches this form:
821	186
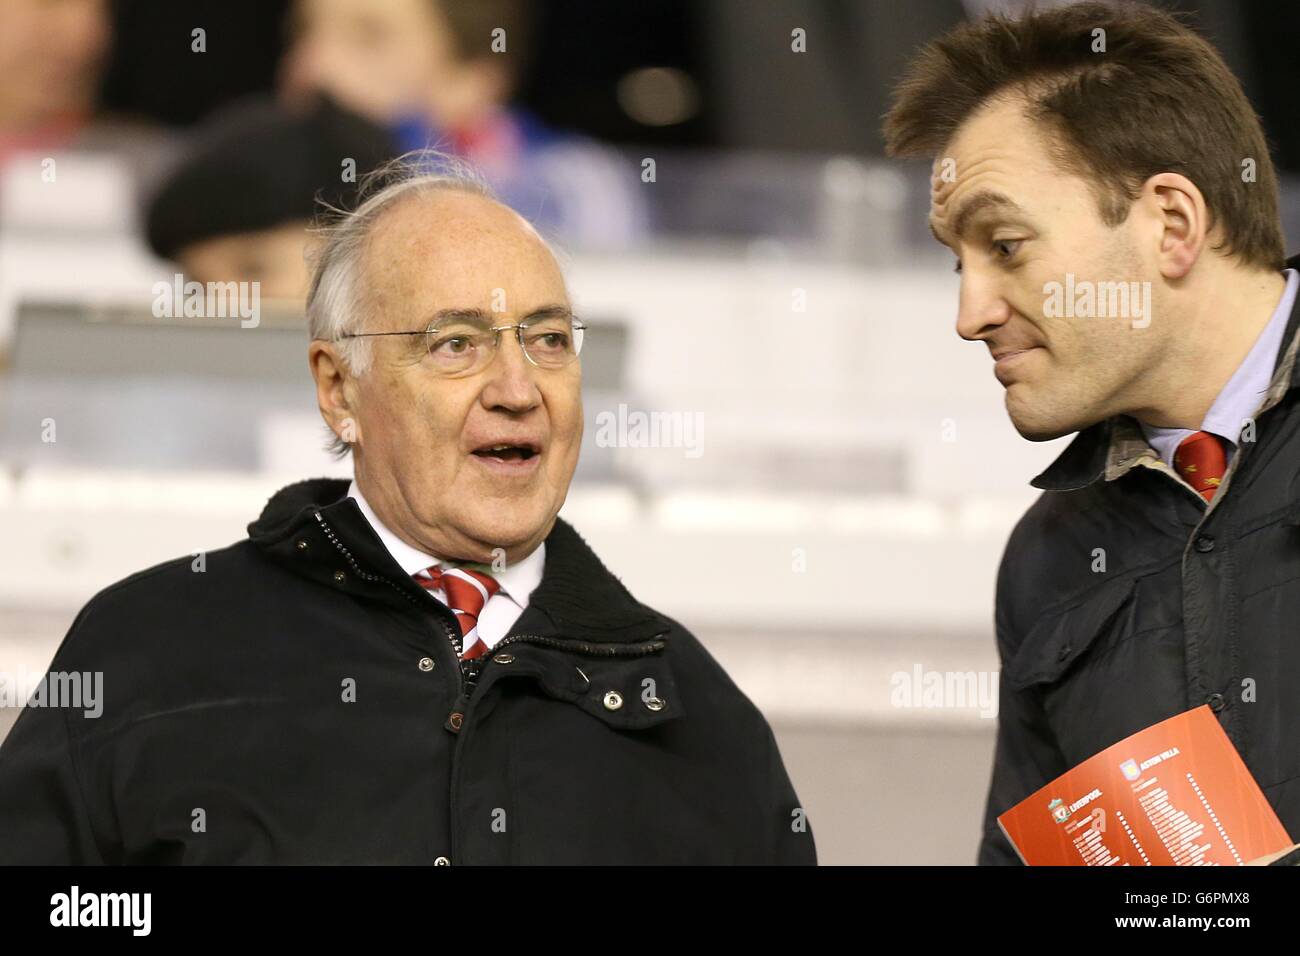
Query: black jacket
598	731
1123	599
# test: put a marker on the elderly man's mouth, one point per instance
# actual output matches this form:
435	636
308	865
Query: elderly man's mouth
508	459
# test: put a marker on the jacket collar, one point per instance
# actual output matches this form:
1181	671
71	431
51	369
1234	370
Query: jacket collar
313	528
1111	447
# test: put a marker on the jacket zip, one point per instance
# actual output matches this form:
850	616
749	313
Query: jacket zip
471	670
642	649
367	576
468	675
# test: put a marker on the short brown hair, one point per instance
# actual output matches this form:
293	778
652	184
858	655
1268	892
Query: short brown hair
1158	98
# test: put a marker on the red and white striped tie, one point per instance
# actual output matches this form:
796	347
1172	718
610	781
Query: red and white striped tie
467	591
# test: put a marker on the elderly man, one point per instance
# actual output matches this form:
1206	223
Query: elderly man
426	665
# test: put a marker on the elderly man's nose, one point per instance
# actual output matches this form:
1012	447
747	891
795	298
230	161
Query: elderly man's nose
511	382
981	307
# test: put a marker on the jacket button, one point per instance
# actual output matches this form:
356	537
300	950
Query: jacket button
504	658
426	663
442	861
613	700
655	703
302	545
1216	702
1204	543
340	577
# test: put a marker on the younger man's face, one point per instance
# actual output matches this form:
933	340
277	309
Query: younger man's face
1018	223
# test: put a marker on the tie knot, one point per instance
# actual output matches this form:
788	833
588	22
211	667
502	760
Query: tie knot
467	591
1201	460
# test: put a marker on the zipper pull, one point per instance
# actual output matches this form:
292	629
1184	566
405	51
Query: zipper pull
457	717
469	673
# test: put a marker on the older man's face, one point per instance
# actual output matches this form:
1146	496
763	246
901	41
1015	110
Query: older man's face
422	438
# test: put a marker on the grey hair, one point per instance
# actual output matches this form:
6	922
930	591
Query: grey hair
337	303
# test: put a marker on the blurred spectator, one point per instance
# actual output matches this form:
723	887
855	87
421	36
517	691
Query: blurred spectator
51	56
238	207
435	73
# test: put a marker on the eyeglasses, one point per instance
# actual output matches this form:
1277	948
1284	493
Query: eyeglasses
462	346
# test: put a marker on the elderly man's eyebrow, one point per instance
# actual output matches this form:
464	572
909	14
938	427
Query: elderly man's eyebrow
484	318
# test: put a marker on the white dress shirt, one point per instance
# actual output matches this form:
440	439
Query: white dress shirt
502	609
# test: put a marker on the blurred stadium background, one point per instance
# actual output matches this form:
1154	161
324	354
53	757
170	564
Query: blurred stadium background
854	478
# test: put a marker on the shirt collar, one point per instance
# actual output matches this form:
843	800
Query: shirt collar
517	580
1244	391
1111	447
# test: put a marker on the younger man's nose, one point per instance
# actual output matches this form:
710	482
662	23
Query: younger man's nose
981	307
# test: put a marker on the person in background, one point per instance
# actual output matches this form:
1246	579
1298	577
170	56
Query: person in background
53	56
51	59
434	73
239	205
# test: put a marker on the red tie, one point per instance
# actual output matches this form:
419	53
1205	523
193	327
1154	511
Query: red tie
1201	460
467	591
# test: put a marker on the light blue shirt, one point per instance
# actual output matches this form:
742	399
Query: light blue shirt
1244	392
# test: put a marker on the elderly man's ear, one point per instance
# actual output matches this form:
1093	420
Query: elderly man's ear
336	391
